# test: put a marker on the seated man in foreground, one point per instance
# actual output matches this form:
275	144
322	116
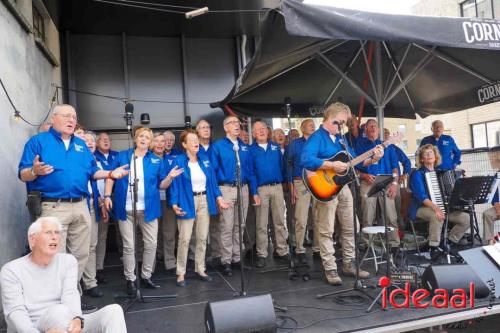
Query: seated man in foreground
39	290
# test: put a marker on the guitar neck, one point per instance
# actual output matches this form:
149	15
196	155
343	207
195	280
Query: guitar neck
366	155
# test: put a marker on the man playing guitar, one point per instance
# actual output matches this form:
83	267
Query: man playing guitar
322	145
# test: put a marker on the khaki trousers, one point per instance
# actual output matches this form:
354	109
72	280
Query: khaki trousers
302	206
76	222
459	219
369	207
229	226
149	235
489	218
290	215
214	236
271	197
249	237
325	214
88	278
102	237
166	236
344	214
201	222
109	319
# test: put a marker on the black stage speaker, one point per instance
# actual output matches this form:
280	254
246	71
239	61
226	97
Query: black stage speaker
451	277
245	314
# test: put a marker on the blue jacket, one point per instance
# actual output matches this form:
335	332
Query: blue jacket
106	163
174	152
450	153
320	147
181	190
224	162
353	141
403	159
72	168
385	165
294	150
95	197
208	151
419	191
153	175
268	165
168	164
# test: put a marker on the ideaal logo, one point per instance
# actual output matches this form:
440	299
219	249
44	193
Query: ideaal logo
402	297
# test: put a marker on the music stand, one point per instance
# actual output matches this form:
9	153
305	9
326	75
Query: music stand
469	192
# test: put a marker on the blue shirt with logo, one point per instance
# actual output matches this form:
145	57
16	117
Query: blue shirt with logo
403	159
106	162
268	165
154	172
174	152
450	153
73	168
224	162
419	191
385	165
181	190
294	150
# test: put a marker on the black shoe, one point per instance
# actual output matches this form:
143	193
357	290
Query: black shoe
284	258
226	270
100	277
454	248
93	292
171	271
316	255
147	283
181	283
216	262
261	262
435	253
206	278
236	265
131	289
302	259
88	308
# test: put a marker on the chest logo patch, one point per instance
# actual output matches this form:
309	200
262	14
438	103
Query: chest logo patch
78	148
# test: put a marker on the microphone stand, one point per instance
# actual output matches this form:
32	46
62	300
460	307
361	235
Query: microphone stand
239	204
133	188
354	186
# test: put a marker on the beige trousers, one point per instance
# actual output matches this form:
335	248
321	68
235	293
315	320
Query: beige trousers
489	218
201	222
369	207
290	214
214	238
167	226
88	278
302	205
149	235
229	226
271	197
102	237
459	219
76	222
344	214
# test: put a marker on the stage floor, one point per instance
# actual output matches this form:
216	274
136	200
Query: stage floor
304	312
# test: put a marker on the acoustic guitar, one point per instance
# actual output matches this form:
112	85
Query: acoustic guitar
325	184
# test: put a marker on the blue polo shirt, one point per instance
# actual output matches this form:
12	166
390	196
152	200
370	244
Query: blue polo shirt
419	191
181	190
403	159
450	153
72	168
106	162
168	165
153	169
352	140
208	151
320	147
174	152
385	165
294	150
267	164
224	162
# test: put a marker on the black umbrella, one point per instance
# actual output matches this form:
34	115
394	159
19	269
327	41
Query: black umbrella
413	64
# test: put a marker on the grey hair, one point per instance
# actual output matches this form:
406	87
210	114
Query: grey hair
92	134
170	133
58	108
36	227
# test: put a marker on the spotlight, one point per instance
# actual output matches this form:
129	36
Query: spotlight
145	118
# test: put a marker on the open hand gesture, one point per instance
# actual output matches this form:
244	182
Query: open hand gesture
120	172
40	168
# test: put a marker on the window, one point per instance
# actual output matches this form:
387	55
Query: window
38	24
480	8
486	134
402	129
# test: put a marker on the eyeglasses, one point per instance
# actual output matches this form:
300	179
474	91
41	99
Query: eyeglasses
67	115
234	122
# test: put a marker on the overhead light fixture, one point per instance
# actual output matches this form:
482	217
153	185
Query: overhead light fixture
196	12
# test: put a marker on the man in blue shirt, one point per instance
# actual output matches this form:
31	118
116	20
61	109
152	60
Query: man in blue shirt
268	167
103	153
169	144
59	165
223	158
450	153
387	165
322	145
300	195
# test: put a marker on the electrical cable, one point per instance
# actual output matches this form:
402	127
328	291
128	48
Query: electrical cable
156	4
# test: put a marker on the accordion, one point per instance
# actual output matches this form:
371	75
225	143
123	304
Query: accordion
440	186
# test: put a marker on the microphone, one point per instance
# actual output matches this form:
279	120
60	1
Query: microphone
236	149
129	115
288	107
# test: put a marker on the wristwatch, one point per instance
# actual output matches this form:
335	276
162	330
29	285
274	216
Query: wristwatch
81	321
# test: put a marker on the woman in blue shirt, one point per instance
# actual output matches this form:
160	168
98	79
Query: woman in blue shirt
194	197
151	178
428	158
